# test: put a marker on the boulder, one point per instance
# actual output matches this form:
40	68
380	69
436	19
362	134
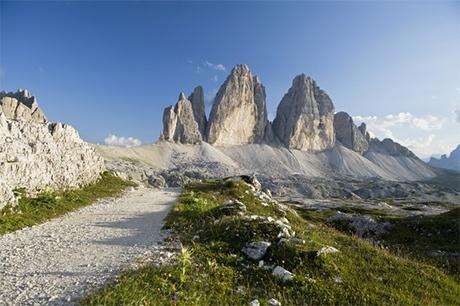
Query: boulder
305	117
282	274
256	250
348	134
238	115
179	124
156	181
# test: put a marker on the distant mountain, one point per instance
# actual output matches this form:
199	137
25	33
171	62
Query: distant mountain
452	162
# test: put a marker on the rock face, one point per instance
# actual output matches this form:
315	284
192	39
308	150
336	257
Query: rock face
239	114
38	156
363	129
20	105
179	124
305	117
348	134
197	100
389	147
452	162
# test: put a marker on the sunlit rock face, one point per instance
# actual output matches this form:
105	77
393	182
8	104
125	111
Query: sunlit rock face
238	115
305	117
20	105
179	123
348	134
38	156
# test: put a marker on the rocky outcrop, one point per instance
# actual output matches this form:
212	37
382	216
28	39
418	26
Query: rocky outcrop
305	117
389	147
348	134
452	162
197	100
38	156
20	105
238	115
363	129
179	123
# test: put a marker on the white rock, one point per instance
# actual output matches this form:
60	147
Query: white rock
273	302
326	250
282	273
254	302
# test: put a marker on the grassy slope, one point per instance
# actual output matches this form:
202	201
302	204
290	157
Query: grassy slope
213	270
49	205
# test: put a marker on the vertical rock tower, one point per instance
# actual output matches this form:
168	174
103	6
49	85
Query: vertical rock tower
239	113
348	134
305	117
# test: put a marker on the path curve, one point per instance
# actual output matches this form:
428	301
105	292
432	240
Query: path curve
58	262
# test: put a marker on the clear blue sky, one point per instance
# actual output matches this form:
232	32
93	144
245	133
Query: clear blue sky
111	67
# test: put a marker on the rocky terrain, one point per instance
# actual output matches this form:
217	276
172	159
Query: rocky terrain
307	150
36	155
452	162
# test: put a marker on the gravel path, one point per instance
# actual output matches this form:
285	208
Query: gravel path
59	261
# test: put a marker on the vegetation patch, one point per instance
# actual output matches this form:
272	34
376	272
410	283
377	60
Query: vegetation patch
48	205
328	267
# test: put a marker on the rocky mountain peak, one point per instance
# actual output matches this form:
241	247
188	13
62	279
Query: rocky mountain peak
305	117
197	99
348	134
238	115
179	124
21	105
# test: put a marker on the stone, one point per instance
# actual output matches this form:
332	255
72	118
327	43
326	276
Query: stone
305	117
43	156
254	302
326	250
256	250
197	100
232	206
273	302
179	124
282	274
20	105
348	134
238	115
157	181
362	225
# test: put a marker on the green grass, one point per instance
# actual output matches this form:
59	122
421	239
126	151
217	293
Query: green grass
213	271
48	205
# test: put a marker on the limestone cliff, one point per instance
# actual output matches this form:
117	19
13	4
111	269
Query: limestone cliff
20	105
179	123
238	115
305	117
348	134
35	155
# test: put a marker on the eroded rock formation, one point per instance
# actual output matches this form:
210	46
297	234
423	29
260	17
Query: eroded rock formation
389	147
239	114
348	134
20	105
35	155
305	117
197	100
179	123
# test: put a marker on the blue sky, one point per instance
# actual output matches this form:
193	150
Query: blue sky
111	67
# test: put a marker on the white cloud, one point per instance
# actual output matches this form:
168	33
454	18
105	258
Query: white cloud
113	140
219	67
198	69
424	135
190	61
215	78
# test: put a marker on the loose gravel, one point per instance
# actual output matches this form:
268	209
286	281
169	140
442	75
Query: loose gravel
59	262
